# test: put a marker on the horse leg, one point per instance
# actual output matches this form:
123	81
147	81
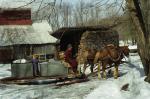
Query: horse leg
79	68
91	64
84	67
103	70
98	69
91	68
116	71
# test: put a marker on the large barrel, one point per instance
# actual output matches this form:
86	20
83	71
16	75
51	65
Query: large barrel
55	68
20	70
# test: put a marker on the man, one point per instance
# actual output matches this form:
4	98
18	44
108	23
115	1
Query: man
68	53
35	63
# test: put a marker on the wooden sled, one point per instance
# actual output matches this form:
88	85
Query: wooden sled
59	80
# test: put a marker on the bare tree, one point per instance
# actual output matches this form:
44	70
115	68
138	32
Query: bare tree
139	14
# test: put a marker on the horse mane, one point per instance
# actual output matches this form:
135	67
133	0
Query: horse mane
112	52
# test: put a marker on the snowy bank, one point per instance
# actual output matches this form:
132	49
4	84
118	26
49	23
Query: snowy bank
110	88
134	76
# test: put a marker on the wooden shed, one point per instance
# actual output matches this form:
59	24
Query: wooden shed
20	38
73	35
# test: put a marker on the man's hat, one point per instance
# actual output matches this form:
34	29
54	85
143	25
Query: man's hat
69	46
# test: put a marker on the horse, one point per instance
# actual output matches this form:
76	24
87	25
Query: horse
85	57
109	55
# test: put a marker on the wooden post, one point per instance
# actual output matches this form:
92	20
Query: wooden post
31	50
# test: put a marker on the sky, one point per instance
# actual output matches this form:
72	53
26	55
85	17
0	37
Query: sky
16	3
36	4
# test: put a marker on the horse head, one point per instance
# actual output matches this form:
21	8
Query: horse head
125	50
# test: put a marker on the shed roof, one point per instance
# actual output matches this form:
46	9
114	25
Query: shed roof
23	34
12	4
65	30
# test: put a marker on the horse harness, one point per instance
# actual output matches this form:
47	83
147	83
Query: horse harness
120	53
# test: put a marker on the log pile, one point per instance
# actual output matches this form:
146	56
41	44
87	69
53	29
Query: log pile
96	40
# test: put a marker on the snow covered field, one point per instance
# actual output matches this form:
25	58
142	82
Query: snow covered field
131	74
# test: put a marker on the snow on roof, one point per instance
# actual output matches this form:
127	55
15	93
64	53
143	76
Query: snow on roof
24	34
14	4
44	29
42	26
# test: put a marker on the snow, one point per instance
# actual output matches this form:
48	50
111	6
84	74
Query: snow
133	47
44	29
20	61
26	34
14	3
5	70
42	26
131	74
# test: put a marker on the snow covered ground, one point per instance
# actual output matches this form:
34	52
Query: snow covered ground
131	74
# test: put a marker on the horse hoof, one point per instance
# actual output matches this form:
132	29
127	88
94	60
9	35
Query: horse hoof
115	77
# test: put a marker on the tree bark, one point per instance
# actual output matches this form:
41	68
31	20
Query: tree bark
142	36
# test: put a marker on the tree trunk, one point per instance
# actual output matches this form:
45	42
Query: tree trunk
141	24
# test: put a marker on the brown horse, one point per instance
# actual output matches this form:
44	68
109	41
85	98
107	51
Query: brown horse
85	57
110	55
